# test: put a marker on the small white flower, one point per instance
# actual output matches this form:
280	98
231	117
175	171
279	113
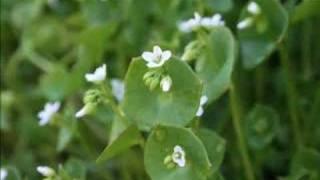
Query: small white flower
247	22
191	24
210	22
178	156
117	89
166	83
203	101
46	171
156	58
3	173
254	8
86	109
98	75
46	114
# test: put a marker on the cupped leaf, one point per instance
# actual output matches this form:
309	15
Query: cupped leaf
260	39
215	146
262	124
160	144
149	108
129	137
215	64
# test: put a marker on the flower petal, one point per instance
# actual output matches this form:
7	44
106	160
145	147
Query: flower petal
166	55
148	56
157	51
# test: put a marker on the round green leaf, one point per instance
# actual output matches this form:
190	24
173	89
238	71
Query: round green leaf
261	126
149	108
220	5
215	64
255	44
215	146
161	143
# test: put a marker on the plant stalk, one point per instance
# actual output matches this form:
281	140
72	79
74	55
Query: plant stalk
236	120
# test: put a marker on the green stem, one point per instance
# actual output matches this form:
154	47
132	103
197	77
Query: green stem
306	53
236	120
38	60
115	108
291	95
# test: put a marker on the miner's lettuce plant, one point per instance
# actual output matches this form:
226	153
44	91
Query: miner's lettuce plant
162	90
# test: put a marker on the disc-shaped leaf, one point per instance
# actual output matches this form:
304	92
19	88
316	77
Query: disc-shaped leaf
161	143
260	39
215	64
261	126
129	137
215	146
149	108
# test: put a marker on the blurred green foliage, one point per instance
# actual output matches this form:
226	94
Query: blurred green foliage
48	45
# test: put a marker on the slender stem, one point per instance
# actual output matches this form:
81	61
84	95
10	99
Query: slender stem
236	118
306	53
38	61
291	95
113	104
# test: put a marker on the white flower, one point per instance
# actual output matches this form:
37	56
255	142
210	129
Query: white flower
198	21
215	20
117	89
46	171
166	83
191	24
178	156
86	109
203	101
46	114
254	8
98	75
156	58
247	22
3	173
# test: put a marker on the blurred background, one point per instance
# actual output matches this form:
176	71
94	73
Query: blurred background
48	45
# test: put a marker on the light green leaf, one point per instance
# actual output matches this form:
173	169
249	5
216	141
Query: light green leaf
216	61
215	146
220	5
129	137
161	143
307	9
260	39
150	108
261	124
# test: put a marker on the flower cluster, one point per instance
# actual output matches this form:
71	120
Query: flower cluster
198	21
254	9
155	60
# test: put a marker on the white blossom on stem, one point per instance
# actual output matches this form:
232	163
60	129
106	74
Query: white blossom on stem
254	8
98	76
203	101
46	114
46	171
117	89
156	58
166	83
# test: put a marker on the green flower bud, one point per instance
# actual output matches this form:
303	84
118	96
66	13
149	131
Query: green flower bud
92	96
191	51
